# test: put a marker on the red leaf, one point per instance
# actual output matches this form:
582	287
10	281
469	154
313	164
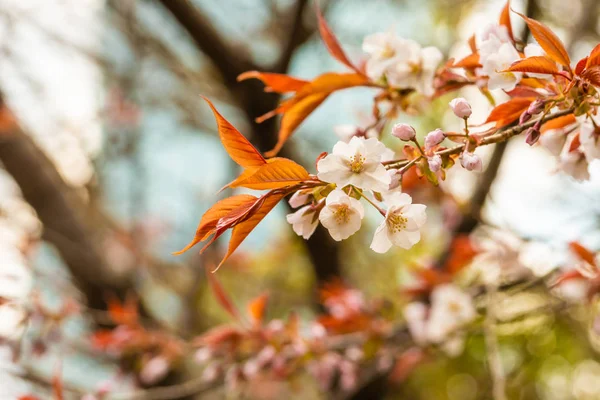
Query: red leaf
535	64
294	117
505	19
510	111
470	61
581	64
243	226
123	313
222	296
57	385
278	83
331	42
592	75
236	145
594	58
210	219
583	253
277	173
548	41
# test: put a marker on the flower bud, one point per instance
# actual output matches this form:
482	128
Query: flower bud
404	132
461	107
532	135
471	162
526	116
435	163
536	107
434	138
395	178
298	199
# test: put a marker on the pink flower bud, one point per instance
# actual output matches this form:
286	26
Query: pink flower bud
298	199
404	132
536	107
434	138
524	117
532	136
471	162
461	107
435	163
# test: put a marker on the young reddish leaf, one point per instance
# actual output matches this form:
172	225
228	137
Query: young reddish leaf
592	75
210	219
470	61
221	295
331	82
505	19
278	83
472	44
257	308
255	214
548	41
533	83
57	385
277	173
594	58
123	313
581	65
510	111
559	122
535	64
294	117
583	253
331	42
236	145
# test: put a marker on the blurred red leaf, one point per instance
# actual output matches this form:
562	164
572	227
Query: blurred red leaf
583	253
257	308
331	42
222	296
505	19
593	59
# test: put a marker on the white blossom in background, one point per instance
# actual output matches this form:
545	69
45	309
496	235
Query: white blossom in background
554	140
451	308
341	215
402	224
590	140
304	221
403	63
574	163
540	258
356	163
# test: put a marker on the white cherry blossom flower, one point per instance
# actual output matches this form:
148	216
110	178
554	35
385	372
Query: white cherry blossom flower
298	199
554	140
401	61
574	163
341	215
304	221
401	225
451	308
497	62
356	163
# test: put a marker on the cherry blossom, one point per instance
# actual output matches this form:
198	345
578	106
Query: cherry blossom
451	308
341	215
356	163
471	161
497	53
403	63
590	140
304	221
461	107
401	225
404	132
434	138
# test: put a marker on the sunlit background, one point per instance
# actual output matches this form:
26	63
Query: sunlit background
109	92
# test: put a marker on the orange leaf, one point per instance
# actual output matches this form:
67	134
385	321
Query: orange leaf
594	58
222	296
278	83
505	19
331	82
470	61
211	218
257	307
548	41
294	117
535	64
510	111
259	210
331	42
583	253
559	122
236	145
277	173
581	65
123	313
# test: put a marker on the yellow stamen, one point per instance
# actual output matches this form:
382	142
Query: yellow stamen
396	222
357	162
